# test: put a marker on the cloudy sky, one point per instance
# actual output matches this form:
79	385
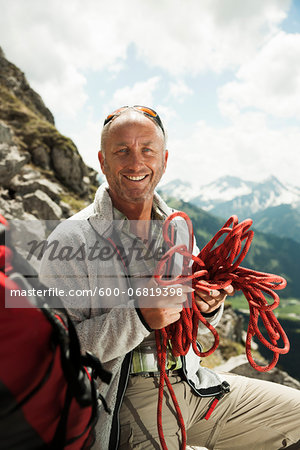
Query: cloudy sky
224	75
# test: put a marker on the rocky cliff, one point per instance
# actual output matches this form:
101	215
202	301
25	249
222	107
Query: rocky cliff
42	175
230	356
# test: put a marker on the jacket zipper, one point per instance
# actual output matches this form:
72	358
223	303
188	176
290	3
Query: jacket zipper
120	402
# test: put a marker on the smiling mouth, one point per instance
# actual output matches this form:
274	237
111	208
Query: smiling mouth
140	178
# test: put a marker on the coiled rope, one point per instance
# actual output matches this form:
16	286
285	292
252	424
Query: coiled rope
218	264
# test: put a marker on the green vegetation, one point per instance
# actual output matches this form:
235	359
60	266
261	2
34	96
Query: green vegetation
282	220
289	308
31	129
230	348
75	202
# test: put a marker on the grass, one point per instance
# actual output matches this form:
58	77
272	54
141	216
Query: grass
75	202
31	128
289	308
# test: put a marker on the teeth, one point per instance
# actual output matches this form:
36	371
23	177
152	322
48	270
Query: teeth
135	178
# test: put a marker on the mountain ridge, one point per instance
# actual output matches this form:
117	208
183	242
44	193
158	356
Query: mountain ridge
230	195
268	253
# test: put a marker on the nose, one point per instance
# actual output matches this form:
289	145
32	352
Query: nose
135	161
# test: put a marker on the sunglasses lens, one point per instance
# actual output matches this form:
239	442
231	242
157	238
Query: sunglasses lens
113	114
146	110
150	112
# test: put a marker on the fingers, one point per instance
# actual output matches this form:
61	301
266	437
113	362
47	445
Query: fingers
180	297
209	302
205	307
214	293
158	318
229	290
155	296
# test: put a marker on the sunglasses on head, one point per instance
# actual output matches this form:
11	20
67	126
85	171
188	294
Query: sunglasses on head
144	109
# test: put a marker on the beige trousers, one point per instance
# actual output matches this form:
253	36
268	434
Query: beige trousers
255	415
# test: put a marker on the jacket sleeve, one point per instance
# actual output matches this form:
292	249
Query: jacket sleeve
106	332
111	334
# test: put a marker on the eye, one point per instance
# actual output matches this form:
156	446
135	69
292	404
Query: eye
122	150
147	150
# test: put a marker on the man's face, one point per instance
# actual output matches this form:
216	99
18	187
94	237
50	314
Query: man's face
134	159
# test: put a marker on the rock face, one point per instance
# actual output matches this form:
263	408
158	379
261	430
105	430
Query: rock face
42	175
15	82
240	366
11	161
230	356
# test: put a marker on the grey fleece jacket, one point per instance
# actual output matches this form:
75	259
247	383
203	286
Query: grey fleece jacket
110	327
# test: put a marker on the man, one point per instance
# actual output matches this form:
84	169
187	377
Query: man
118	325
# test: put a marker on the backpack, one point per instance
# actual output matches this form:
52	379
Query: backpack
47	388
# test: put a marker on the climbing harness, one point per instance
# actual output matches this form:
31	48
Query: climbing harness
216	267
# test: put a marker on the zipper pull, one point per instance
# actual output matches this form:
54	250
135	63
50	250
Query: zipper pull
225	389
212	407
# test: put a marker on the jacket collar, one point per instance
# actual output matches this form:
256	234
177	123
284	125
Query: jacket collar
101	218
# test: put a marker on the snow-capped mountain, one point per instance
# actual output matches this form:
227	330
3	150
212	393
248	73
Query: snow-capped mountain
275	207
178	189
232	195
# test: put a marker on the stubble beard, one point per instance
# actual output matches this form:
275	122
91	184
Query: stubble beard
116	186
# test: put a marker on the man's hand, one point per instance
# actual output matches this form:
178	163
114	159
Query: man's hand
208	303
163	309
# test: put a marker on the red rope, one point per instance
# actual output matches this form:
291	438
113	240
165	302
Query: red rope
219	265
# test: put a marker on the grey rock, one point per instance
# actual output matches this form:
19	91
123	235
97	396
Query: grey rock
254	345
94	176
69	168
11	161
11	209
23	232
30	181
4	194
5	134
231	325
40	205
66	209
232	363
41	156
240	366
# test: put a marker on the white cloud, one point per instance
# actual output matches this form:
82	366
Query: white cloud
269	82
66	94
179	90
87	139
167	114
247	148
141	93
49	39
193	36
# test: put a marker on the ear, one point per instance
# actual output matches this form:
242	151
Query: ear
166	155
101	160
